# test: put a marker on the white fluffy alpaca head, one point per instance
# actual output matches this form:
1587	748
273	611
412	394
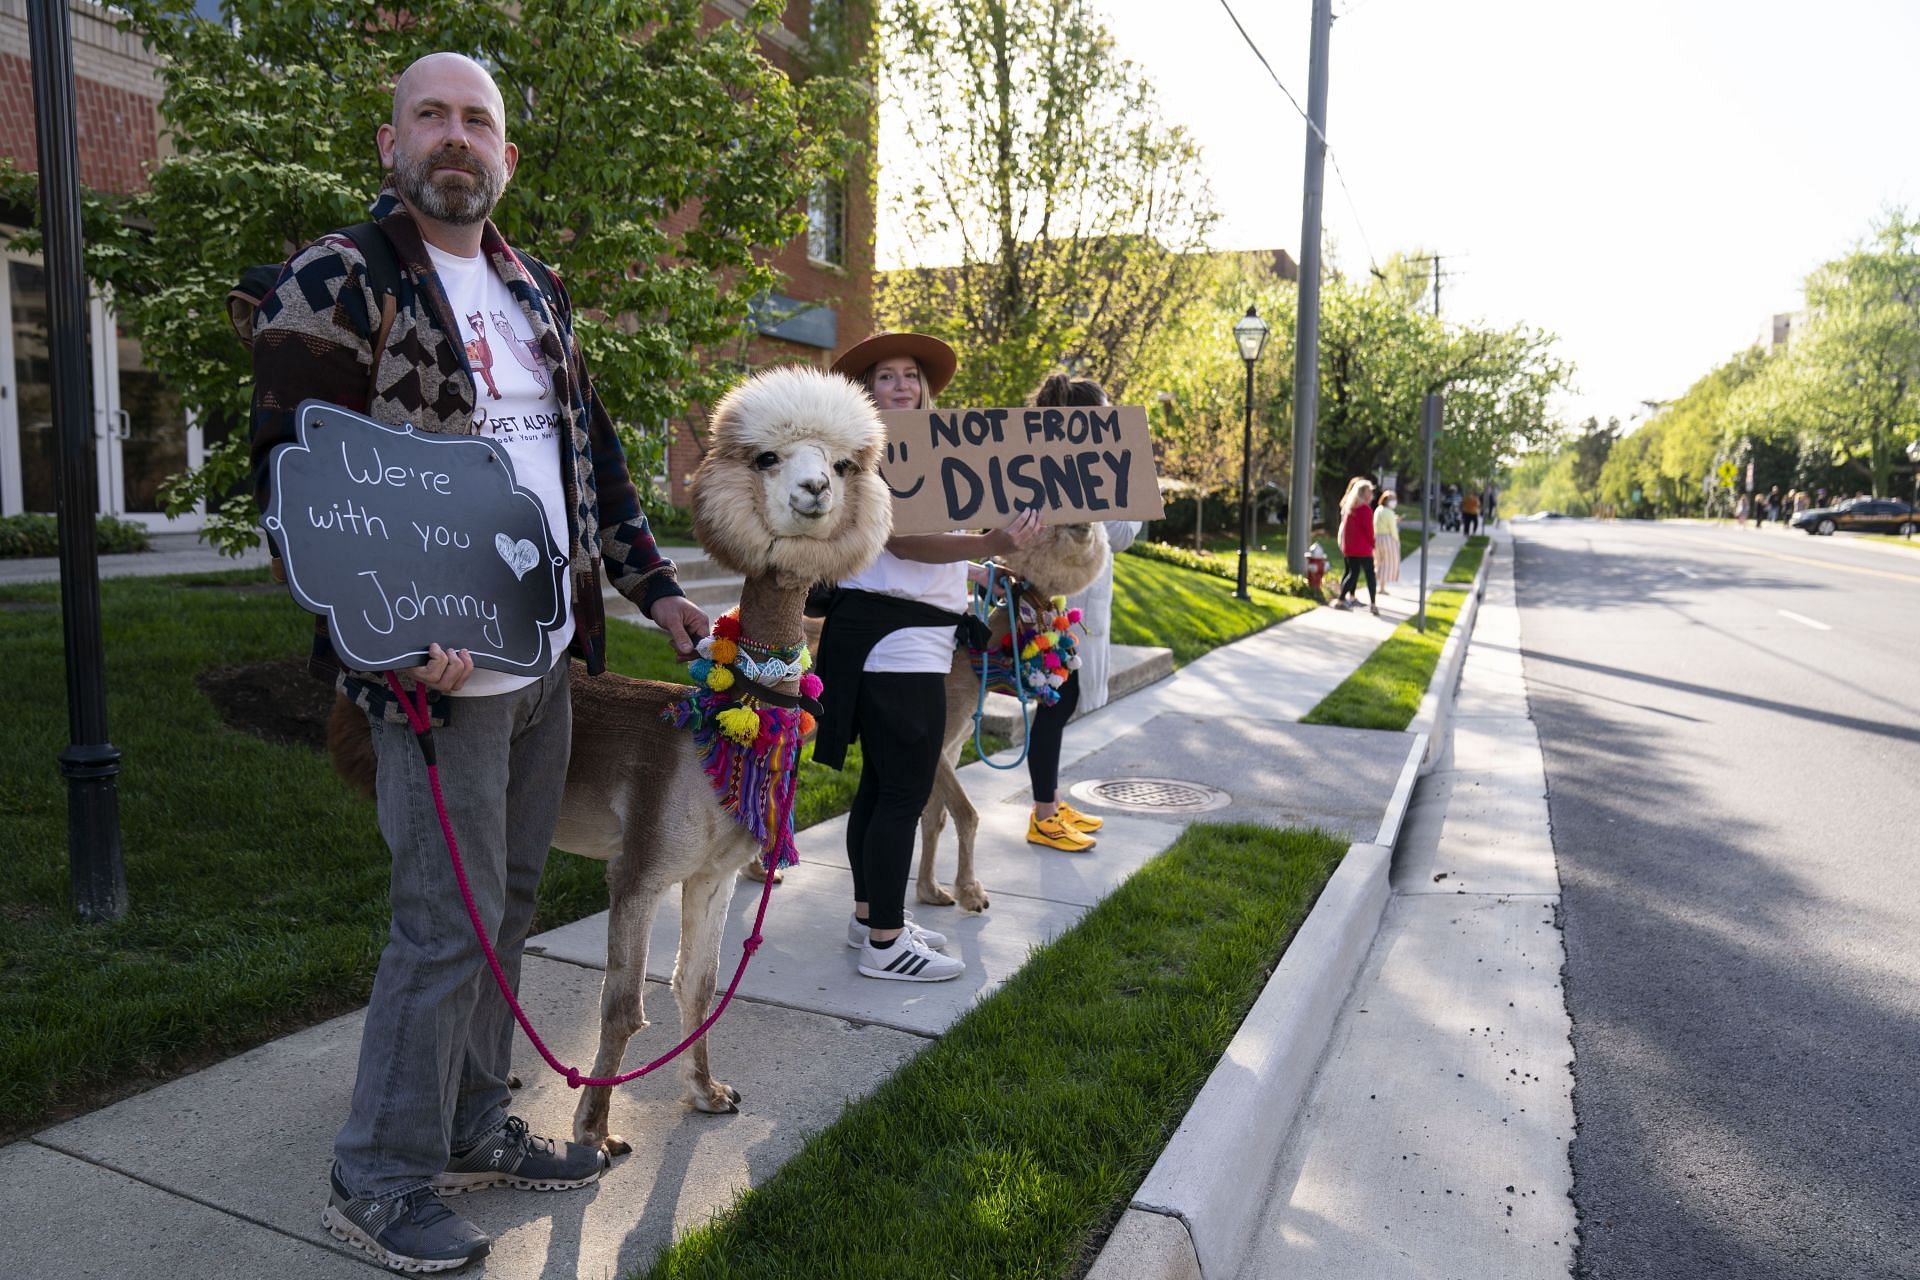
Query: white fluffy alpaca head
788	484
1061	559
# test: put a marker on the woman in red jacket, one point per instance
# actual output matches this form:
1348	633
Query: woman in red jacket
1356	544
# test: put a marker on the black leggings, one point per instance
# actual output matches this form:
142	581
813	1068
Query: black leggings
1350	580
901	720
1043	742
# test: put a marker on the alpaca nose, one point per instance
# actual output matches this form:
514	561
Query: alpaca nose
816	486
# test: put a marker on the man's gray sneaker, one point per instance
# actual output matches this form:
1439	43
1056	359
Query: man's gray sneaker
413	1232
512	1157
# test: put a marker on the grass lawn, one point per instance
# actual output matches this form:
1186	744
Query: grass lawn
1911	544
1190	613
1466	562
257	882
1010	1147
1271	551
1385	691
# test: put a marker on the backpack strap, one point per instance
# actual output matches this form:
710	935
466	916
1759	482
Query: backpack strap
383	276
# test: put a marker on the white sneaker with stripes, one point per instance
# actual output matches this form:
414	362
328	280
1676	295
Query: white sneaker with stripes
908	960
857	933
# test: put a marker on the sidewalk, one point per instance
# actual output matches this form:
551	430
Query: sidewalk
1435	1140
222	1173
172	553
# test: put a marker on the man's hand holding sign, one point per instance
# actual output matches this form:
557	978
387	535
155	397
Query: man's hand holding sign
978	468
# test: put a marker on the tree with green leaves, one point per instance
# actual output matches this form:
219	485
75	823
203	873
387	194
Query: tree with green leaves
662	162
1850	379
1052	214
1193	382
1380	358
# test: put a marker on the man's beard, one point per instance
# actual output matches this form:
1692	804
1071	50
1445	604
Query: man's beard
446	200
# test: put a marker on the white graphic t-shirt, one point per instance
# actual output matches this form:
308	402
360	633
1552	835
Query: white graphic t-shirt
514	403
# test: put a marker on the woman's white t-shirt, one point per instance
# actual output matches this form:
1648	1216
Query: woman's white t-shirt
914	649
513	403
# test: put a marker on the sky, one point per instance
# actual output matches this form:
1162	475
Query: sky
1648	180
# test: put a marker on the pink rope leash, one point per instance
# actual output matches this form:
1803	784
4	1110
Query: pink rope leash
422	726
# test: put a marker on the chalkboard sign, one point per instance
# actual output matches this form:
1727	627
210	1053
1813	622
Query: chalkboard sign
978	468
401	540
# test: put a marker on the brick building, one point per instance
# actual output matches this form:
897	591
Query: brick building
145	434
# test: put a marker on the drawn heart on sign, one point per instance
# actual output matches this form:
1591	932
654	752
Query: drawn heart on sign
520	556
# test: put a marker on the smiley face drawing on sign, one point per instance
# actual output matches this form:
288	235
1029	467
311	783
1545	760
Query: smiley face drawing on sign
900	473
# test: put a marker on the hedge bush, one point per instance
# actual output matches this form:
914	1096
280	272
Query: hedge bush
1286	584
39	535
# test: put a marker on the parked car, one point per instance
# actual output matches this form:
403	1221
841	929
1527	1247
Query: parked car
1861	515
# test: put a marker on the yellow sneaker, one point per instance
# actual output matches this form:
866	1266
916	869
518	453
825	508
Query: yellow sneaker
1055	834
1082	822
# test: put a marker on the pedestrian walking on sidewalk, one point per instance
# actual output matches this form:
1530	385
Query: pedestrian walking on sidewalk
1356	544
1053	823
1470	514
885	651
1386	540
430	1105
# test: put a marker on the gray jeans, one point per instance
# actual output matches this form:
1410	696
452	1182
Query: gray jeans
435	1051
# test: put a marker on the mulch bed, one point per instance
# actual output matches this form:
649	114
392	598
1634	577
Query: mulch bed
277	701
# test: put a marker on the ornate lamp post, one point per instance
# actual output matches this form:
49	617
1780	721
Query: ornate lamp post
1250	332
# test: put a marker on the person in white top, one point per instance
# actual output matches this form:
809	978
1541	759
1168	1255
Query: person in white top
885	653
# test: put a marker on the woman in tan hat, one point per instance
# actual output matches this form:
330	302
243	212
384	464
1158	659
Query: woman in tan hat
885	652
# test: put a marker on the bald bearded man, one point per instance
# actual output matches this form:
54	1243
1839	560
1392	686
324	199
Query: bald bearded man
479	339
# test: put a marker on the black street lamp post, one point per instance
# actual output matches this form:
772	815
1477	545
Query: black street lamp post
1250	331
90	762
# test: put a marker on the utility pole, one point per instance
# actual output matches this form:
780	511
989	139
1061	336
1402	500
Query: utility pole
96	870
1430	410
1436	286
1306	343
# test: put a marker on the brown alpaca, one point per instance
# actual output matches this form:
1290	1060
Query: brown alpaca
786	496
1063	559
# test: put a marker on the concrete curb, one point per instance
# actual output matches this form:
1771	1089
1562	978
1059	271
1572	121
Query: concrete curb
1436	708
1193	1217
1210	1182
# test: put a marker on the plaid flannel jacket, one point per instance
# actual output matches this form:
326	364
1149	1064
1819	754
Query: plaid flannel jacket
313	339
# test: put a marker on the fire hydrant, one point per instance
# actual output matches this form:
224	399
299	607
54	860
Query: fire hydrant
1316	566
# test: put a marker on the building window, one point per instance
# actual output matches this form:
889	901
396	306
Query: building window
827	223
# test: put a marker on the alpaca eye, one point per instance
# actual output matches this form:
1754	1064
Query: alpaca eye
767	461
843	467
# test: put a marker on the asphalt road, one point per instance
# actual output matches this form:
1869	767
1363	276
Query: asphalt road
1731	724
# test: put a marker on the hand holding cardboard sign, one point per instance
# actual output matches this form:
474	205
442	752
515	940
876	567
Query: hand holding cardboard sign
1018	533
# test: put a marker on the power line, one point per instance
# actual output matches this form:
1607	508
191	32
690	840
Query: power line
1345	190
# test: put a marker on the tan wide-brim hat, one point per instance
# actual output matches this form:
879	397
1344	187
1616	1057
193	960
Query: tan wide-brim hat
936	358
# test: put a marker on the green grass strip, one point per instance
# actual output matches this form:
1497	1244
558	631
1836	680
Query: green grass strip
1010	1147
1385	692
1466	562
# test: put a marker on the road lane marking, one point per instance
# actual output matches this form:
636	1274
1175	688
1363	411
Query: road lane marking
1836	564
1803	620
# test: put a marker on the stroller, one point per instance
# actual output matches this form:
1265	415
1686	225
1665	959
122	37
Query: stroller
1450	518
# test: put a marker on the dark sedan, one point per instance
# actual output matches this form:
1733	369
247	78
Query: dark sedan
1861	515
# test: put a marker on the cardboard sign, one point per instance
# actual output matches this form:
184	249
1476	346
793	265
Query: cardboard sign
978	468
402	540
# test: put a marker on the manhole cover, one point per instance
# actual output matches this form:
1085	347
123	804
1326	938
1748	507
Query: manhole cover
1154	795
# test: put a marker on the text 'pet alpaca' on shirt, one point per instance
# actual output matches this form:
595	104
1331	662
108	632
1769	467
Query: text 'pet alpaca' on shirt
524	352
